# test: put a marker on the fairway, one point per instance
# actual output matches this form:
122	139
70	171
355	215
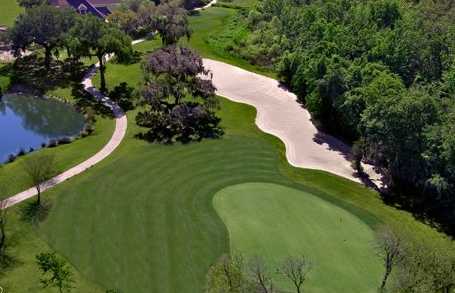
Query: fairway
275	221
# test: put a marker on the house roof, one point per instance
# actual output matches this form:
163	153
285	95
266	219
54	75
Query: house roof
104	2
96	7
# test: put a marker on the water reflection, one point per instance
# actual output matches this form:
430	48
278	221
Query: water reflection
27	122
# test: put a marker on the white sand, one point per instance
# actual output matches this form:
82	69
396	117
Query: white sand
279	113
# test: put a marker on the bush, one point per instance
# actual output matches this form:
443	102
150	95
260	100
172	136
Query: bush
185	123
11	158
65	140
123	95
21	153
52	143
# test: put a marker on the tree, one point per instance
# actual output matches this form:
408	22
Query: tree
390	248
55	271
427	267
180	95
32	3
92	36
136	18
43	25
227	275
394	128
126	20
296	270
40	169
172	22
260	275
123	95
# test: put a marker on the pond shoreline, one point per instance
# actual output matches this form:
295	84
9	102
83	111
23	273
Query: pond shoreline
49	134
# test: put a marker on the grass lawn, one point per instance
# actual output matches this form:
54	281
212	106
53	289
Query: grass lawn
9	9
143	219
275	222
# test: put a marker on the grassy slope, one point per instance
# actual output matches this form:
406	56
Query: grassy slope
9	9
275	222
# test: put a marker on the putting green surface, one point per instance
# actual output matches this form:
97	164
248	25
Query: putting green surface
275	221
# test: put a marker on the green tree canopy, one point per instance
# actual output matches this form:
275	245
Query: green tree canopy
92	36
43	25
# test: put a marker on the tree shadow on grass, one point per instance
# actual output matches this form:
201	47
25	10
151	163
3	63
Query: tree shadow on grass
31	72
35	213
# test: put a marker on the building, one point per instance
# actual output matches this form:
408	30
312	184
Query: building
100	8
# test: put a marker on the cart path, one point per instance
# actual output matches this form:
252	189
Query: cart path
115	140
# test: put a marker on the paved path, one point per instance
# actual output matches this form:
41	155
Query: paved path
117	137
206	6
279	113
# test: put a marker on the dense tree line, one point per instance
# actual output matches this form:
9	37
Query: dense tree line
380	74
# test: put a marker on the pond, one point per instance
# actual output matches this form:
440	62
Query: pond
28	122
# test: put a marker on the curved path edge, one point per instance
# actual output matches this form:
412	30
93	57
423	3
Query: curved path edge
121	124
280	114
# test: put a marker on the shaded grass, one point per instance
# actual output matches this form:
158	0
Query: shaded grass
275	222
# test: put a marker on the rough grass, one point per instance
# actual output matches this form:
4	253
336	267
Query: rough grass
275	222
211	22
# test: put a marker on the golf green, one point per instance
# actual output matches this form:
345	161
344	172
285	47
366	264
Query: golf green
274	222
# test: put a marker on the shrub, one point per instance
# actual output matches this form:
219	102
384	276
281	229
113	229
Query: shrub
11	158
21	152
52	143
